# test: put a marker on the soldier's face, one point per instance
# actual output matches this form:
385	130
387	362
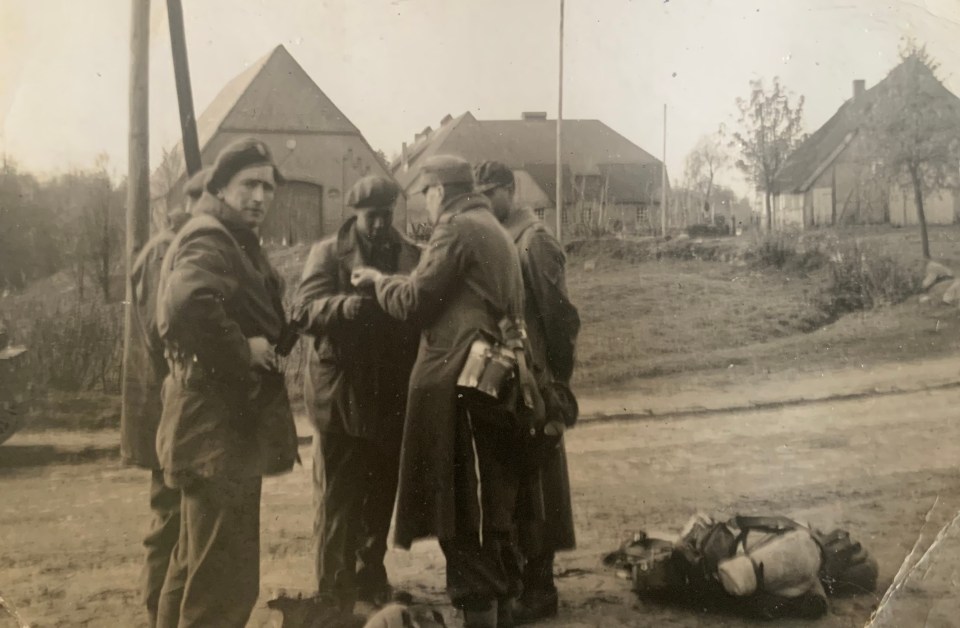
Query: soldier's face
434	201
250	192
373	222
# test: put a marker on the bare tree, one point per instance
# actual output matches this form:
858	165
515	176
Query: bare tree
161	183
101	220
915	129
703	164
770	127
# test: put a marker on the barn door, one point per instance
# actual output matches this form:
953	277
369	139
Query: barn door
296	215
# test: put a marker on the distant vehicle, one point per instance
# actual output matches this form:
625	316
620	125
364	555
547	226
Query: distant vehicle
14	388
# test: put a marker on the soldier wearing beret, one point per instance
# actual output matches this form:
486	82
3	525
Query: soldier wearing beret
143	374
459	471
226	417
544	514
356	392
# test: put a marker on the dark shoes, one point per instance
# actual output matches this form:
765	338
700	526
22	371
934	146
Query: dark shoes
533	606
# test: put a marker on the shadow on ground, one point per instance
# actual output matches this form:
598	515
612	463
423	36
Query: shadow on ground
24	456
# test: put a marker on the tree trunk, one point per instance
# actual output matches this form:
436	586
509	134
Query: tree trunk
769	205
921	217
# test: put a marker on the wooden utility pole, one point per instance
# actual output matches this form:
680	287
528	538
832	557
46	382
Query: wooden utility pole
559	194
181	71
663	178
138	158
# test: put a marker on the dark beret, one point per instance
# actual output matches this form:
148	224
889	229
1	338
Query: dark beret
492	174
242	154
373	191
194	185
444	170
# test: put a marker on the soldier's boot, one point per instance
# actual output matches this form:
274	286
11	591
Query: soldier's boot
539	599
505	612
481	618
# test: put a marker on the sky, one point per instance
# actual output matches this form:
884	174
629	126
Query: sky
396	66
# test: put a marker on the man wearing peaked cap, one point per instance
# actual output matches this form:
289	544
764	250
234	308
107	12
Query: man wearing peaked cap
356	391
459	468
545	514
446	170
226	419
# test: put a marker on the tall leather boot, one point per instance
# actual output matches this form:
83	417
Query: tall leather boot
539	599
481	619
505	612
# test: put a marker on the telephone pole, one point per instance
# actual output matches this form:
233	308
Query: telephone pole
138	158
559	193
663	178
181	72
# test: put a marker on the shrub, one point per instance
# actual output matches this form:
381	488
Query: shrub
861	279
707	231
786	251
75	346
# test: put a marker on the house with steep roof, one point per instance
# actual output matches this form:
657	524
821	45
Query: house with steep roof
608	180
834	177
318	150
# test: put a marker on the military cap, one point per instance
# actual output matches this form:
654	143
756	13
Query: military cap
373	191
194	185
444	170
244	153
492	174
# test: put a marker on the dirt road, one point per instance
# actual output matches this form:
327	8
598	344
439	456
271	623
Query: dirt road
71	519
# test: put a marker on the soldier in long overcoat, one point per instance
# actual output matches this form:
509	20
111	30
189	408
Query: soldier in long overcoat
226	418
143	375
356	392
545	514
467	280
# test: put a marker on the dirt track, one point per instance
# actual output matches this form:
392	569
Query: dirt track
71	519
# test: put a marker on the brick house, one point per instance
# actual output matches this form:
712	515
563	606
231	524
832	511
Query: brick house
834	177
319	151
608	180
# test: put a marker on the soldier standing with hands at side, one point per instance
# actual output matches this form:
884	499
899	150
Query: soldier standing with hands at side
545	514
143	377
356	393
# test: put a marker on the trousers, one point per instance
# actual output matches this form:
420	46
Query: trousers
483	562
355	486
214	574
159	542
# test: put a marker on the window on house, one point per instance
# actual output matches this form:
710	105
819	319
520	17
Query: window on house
540	213
587	214
643	216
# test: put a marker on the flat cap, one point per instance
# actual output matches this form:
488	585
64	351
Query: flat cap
492	174
244	153
194	185
373	191
444	170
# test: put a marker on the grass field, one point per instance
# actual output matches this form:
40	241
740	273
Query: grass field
650	309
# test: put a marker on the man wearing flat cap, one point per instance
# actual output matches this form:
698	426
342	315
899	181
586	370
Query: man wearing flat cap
143	377
544	514
458	467
356	392
226	418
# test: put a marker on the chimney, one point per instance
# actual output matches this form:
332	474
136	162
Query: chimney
859	86
533	115
446	118
404	158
